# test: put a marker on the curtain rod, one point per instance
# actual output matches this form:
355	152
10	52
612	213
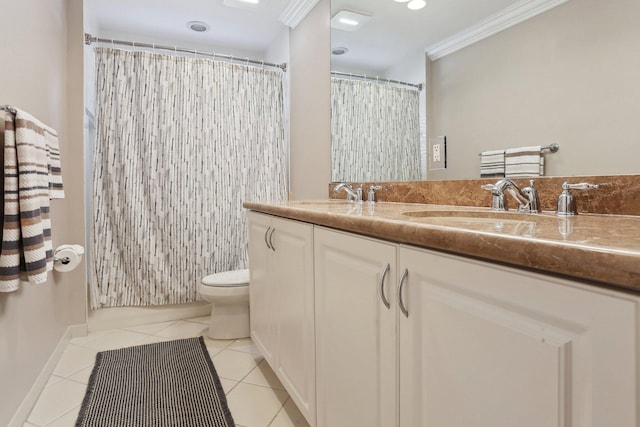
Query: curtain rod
88	39
365	77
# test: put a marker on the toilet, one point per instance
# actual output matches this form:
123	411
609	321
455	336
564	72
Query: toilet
228	293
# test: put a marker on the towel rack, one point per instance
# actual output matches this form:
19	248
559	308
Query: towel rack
8	108
551	148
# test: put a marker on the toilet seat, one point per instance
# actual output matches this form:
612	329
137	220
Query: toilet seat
233	278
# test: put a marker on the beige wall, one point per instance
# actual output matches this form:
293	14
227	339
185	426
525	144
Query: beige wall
568	76
42	73
310	162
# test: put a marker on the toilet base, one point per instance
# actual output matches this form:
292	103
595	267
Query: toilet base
229	321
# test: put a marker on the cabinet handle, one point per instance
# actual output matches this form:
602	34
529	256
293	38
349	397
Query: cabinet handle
273	248
403	308
385	301
265	238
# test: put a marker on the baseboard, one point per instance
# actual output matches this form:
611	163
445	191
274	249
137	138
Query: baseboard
126	317
21	415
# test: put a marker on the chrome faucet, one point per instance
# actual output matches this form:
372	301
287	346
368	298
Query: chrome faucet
527	197
353	195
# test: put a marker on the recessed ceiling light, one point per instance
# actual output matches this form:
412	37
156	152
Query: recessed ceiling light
349	20
198	26
416	4
339	51
246	4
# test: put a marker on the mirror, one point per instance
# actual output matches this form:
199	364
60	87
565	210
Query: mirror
565	75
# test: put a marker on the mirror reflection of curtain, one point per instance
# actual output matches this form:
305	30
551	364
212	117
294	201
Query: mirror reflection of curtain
181	143
375	132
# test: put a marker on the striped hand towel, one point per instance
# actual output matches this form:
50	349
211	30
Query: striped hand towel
524	162
31	177
492	164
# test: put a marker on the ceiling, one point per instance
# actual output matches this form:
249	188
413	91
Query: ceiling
250	29
394	32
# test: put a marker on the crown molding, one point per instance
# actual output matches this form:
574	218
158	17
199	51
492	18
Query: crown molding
295	12
502	20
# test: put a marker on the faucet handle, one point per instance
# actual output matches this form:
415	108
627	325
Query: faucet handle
580	186
566	202
498	201
371	196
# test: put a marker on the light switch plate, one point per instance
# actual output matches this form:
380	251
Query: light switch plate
437	153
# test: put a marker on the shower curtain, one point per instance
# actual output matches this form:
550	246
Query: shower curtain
181	143
375	132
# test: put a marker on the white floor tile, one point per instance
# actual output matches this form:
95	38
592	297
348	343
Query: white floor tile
151	328
67	420
235	365
82	376
216	346
74	359
255	406
228	385
152	339
116	338
90	337
289	416
52	380
183	329
246	345
263	375
202	319
56	401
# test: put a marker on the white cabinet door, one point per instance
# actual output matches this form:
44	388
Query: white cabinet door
262	299
282	303
355	331
490	346
295	357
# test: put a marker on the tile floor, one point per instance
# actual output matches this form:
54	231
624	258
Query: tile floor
254	394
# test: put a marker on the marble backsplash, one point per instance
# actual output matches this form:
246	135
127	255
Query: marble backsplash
617	195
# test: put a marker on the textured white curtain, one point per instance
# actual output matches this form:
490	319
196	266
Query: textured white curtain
375	132
181	143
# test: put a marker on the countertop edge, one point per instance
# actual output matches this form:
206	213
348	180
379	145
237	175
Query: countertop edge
530	253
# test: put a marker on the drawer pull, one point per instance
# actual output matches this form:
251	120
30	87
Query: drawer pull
403	279
266	241
273	248
385	301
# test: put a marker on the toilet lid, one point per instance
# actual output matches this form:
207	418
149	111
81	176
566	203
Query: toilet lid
227	278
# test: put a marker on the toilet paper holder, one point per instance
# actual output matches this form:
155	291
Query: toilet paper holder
64	260
67	257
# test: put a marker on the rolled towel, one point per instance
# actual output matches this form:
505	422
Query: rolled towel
523	162
492	164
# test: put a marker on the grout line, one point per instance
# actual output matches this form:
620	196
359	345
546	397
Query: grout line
280	410
69	411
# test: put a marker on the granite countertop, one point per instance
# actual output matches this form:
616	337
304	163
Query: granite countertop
604	249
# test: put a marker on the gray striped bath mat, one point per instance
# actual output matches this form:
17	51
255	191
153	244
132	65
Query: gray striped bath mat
172	384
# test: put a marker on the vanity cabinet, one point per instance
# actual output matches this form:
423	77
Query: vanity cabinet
355	330
409	337
487	346
282	303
